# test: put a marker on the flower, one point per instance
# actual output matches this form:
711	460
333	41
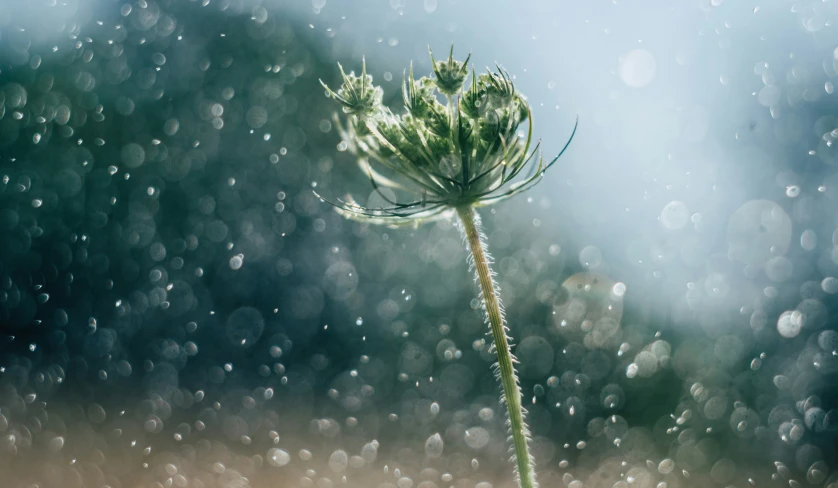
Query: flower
357	94
468	151
450	74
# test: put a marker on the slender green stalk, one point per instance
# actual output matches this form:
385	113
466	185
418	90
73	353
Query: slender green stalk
524	464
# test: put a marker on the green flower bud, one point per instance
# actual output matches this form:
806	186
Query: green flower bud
450	74
473	101
439	146
361	129
465	135
499	88
392	134
418	95
357	94
410	129
490	126
437	120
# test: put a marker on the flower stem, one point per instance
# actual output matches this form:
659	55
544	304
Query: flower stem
524	464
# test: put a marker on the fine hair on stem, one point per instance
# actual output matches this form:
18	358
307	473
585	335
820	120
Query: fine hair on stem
480	262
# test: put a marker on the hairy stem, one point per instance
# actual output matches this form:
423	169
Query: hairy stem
525	467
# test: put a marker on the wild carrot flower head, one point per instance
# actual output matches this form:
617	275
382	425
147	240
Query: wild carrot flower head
475	149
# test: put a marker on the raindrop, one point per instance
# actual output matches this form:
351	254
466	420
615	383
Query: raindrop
590	257
789	324
637	68
133	155
477	437
338	461
244	326
618	290
56	444
434	446
277	457
830	285
674	215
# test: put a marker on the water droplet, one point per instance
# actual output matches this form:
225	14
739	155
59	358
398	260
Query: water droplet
674	215
276	457
434	446
338	461
637	68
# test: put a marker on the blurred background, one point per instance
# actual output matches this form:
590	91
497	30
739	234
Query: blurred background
177	308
